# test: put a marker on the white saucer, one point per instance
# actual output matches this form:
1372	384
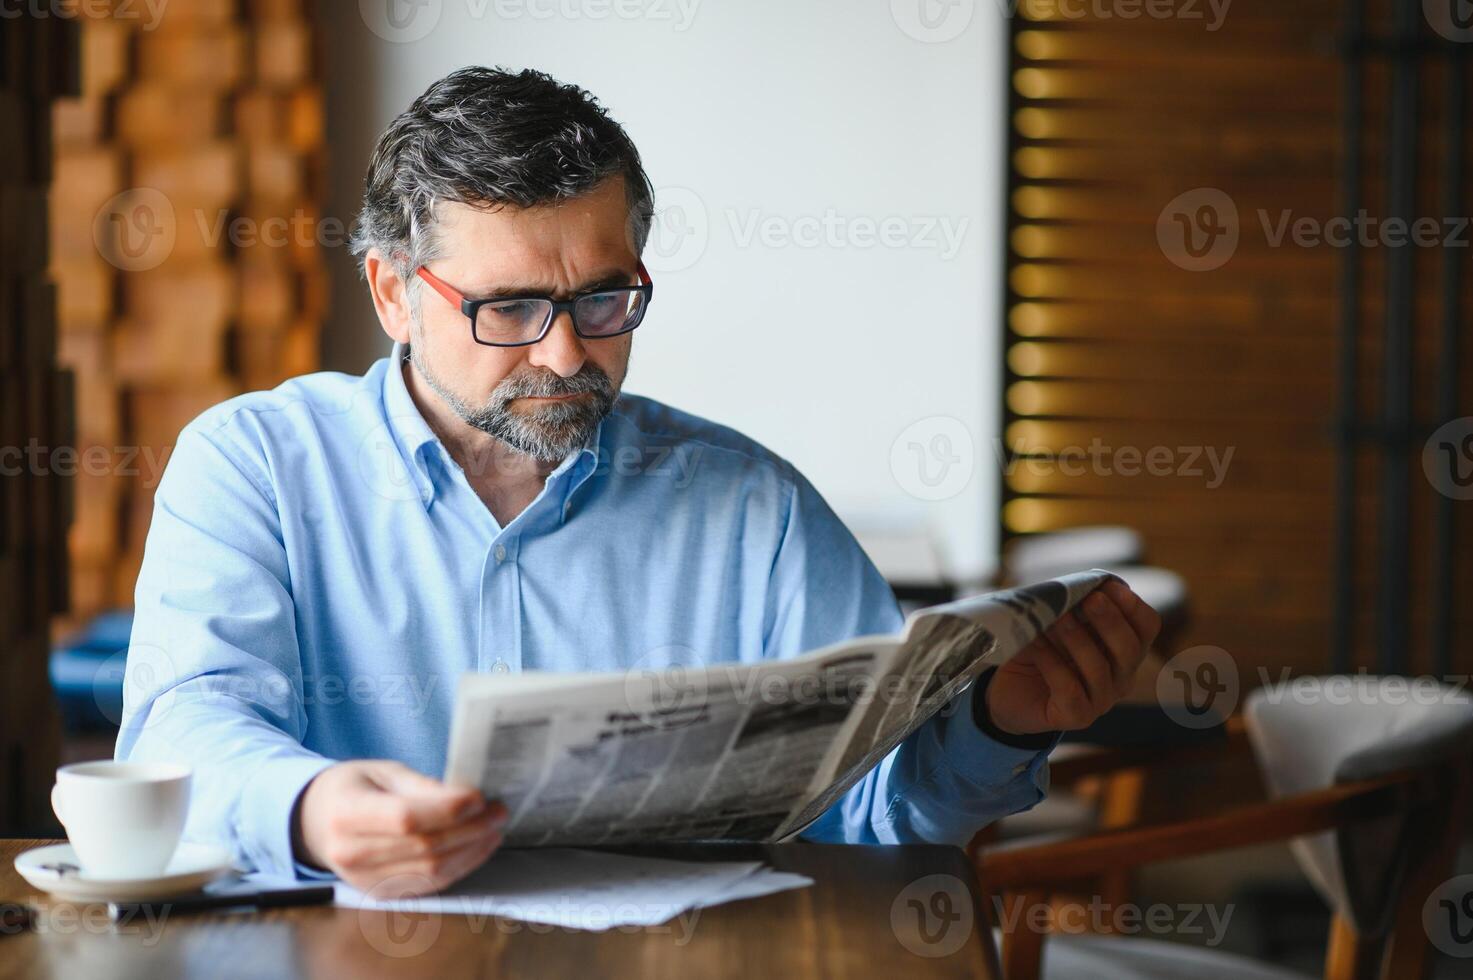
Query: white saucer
55	869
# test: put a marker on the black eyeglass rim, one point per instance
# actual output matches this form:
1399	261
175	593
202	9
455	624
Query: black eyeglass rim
470	307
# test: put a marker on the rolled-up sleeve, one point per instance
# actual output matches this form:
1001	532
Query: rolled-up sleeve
214	673
949	778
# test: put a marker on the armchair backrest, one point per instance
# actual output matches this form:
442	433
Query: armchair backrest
1314	732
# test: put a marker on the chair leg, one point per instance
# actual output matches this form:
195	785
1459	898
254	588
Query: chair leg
1022	945
1351	956
1121	798
1408	958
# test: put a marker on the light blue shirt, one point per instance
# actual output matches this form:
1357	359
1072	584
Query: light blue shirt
319	573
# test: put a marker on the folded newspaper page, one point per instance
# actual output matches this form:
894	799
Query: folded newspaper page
730	751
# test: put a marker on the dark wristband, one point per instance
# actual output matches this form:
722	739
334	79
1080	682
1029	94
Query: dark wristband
1036	742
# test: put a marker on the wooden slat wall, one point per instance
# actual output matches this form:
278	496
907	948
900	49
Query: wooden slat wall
38	63
208	120
1108	339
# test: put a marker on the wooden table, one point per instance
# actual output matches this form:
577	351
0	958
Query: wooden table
873	911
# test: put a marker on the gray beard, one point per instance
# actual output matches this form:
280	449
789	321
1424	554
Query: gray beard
548	434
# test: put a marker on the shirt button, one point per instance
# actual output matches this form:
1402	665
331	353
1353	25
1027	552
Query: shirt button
500	553
500	667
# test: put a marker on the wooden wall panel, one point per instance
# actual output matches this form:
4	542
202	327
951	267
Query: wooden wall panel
1111	340
39	63
208	123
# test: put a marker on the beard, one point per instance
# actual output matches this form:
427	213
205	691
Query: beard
548	433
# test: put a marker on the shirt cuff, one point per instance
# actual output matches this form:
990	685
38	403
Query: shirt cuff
987	760
265	821
983	717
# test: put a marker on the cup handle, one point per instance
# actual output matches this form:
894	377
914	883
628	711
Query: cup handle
56	803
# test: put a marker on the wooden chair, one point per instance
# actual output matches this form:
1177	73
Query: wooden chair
1372	792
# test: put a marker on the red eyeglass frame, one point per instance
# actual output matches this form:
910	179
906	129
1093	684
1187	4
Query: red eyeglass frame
471	306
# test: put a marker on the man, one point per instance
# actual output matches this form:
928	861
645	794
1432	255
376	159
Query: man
326	558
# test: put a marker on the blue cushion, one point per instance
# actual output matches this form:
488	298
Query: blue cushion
87	673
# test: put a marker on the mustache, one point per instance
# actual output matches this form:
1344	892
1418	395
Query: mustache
590	379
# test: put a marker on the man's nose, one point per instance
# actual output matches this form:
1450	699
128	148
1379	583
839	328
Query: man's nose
561	351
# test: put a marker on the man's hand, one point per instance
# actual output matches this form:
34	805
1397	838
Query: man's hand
1076	671
375	820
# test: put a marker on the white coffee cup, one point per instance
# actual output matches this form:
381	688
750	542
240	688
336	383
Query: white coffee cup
123	819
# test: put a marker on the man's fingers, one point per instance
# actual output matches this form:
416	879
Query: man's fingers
366	850
1064	685
377	810
1142	618
421	876
433	805
1119	639
1092	664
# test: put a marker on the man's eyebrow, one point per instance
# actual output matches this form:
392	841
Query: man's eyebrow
605	280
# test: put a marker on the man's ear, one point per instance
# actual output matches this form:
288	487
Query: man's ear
390	296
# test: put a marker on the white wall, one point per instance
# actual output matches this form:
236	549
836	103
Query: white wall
827	257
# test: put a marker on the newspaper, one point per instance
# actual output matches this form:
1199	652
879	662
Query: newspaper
731	751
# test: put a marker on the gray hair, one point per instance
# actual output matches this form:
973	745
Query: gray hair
489	137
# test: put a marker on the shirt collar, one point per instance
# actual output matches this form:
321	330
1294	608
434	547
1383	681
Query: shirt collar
412	434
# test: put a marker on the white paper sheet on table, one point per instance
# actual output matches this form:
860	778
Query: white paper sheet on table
589	889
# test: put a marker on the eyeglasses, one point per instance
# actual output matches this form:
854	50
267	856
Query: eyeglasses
516	321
